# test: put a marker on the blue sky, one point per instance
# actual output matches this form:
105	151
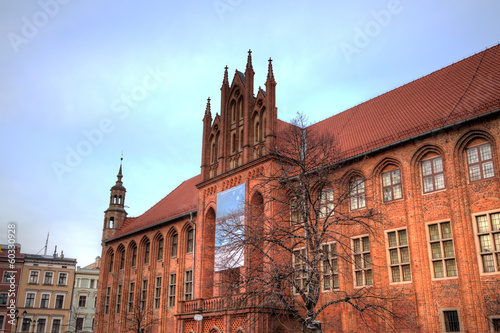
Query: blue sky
83	81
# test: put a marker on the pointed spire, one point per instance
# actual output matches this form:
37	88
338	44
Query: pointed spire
270	74
208	112
120	175
249	60
226	77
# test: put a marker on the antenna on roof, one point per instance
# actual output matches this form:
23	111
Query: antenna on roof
46	243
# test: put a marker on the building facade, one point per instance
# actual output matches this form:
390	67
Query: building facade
84	298
45	293
11	264
424	158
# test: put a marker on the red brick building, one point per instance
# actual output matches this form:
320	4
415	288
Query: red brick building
427	157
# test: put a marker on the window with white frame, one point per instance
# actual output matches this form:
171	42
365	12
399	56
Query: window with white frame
326	204
118	298
82	301
44	301
63	279
56	326
144	294
433	174
30	300
299	269
391	185
488	235
188	285
442	250
330	267
49	276
40	325
34	277
480	162
357	194
362	261
171	290
399	256
131	297
157	292
59	301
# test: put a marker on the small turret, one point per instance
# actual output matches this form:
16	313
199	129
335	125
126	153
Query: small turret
115	214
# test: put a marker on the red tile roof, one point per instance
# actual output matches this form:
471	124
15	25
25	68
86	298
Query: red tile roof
457	92
182	200
460	91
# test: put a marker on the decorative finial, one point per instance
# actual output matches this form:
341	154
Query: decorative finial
207	110
226	78
249	59
270	74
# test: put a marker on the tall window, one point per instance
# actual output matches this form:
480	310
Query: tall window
174	245
92	281
451	321
299	269
433	174
134	256
362	261
30	300
188	286
391	185
82	301
190	241
40	327
56	326
3	298
442	252
330	267
48	278
59	301
171	290
146	253
144	294
25	327
34	276
480	162
131	297
111	261
358	197
326	203
399	256
488	233
44	302
118	298
106	301
63	279
159	257
295	212
157	292
122	261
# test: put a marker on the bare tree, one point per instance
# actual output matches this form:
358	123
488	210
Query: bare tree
297	240
142	320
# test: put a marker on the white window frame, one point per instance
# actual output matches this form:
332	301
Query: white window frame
441	241
495	251
45	277
26	299
66	274
41	299
52	324
398	248
329	272
37	271
363	269
55	300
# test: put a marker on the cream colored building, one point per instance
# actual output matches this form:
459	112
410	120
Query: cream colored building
45	293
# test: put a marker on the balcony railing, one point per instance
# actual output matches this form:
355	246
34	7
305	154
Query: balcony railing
227	303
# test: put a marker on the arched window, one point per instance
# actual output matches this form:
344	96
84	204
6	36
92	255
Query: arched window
357	193
479	154
432	173
146	253
111	222
120	200
114	199
175	240
159	257
122	259
134	255
190	241
111	261
391	184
